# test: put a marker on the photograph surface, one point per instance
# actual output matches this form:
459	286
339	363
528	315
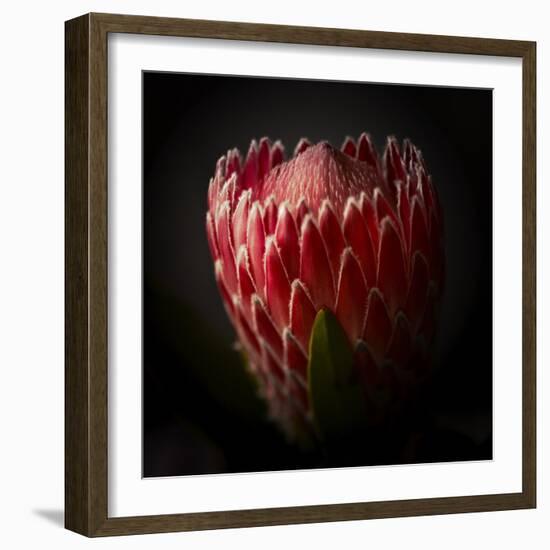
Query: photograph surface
317	274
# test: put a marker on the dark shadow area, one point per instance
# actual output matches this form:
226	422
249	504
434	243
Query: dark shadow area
56	517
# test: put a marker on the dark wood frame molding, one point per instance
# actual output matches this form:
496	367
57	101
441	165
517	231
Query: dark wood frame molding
86	274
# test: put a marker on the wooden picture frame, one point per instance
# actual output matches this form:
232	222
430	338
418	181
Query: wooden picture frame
86	280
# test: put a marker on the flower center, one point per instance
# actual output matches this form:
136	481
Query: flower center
318	173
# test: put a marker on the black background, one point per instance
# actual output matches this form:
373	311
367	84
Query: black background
189	121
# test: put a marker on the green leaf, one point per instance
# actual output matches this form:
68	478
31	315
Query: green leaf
337	399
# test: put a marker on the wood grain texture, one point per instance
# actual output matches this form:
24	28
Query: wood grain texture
77	459
86	234
529	273
98	249
308	35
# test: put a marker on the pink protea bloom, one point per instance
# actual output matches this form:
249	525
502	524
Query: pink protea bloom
342	230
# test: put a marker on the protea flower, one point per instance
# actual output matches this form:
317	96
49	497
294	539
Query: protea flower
335	230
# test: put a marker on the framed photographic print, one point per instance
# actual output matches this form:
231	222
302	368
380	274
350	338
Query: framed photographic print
300	274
